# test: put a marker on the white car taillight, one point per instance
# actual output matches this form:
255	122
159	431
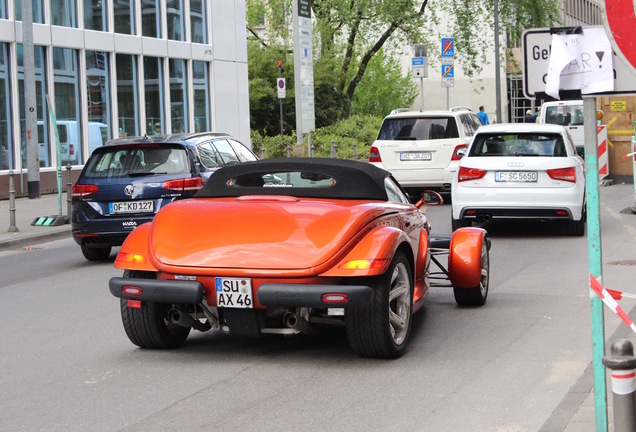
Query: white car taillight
565	174
374	154
466	174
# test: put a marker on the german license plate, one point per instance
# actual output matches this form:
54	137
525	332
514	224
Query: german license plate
234	293
416	156
516	176
131	207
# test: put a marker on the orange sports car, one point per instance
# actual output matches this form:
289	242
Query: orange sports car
288	246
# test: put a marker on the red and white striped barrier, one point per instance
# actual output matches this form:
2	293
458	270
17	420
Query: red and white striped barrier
608	299
603	157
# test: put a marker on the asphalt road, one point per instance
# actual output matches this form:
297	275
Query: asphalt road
67	365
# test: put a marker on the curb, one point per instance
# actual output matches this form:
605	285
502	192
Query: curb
33	239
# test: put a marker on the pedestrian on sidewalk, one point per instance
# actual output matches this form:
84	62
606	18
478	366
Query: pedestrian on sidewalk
483	117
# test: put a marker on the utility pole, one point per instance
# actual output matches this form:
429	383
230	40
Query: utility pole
497	66
30	102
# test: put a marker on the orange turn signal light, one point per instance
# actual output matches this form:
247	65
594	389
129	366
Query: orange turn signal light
364	264
124	257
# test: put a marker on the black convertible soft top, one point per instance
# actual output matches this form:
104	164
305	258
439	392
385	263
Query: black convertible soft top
317	178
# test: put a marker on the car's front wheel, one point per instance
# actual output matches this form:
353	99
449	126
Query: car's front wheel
381	328
149	326
96	253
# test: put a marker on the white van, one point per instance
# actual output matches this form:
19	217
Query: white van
568	114
71	149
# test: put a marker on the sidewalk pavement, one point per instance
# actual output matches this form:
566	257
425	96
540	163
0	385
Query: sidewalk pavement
575	412
26	212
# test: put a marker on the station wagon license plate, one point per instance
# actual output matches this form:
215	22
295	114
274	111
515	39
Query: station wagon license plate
416	156
234	293
131	207
516	176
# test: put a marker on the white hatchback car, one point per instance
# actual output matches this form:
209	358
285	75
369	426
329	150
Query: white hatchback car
422	148
520	171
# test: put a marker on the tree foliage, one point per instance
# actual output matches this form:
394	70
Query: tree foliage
358	43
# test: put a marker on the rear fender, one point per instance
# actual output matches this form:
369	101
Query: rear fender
464	257
371	256
134	254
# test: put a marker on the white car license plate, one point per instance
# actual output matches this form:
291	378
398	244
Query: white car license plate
131	207
234	293
516	176
416	156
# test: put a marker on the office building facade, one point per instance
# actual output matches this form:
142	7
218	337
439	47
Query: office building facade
115	68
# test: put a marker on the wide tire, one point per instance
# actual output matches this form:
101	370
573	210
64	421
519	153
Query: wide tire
148	326
381	328
575	228
460	223
96	253
476	296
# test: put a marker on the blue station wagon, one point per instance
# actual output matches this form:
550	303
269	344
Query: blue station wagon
127	180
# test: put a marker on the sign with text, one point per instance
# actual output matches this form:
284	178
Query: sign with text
537	46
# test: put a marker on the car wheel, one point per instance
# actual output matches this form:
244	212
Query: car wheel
576	228
381	328
96	253
460	223
148	326
476	296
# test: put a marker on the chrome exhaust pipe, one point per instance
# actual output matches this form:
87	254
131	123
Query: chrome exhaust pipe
292	321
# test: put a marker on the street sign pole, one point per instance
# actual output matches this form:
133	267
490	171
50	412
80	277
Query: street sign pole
30	105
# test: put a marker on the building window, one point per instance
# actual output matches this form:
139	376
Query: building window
127	99
178	96
64	13
95	15
198	27
44	149
6	144
201	96
38	13
67	104
151	18
154	92
3	9
176	21
124	17
97	91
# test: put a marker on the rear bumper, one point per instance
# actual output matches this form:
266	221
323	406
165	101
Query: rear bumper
299	295
160	291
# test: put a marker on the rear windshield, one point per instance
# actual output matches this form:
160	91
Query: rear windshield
295	179
564	115
137	161
420	128
525	144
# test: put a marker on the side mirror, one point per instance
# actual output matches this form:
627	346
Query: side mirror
462	152
430	198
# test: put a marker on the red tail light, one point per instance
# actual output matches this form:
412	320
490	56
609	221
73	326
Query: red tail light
466	174
71	149
565	174
191	184
82	190
374	154
456	155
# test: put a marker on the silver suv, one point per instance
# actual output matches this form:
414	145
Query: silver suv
422	148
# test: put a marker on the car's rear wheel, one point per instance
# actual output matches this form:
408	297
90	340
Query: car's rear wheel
460	223
381	328
96	253
575	228
149	326
476	296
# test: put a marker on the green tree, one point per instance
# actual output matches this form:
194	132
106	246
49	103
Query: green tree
351	38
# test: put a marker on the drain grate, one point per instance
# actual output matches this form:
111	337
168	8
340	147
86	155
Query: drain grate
623	263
